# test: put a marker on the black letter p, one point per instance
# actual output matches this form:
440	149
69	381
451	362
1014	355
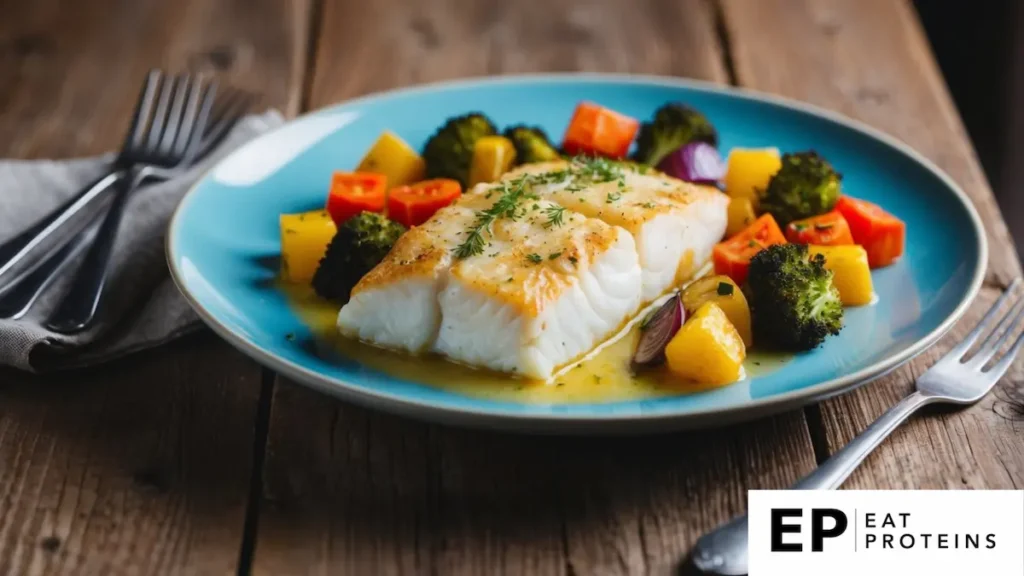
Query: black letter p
818	532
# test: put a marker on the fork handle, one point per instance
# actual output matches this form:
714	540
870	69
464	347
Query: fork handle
724	550
18	297
834	471
77	310
14	250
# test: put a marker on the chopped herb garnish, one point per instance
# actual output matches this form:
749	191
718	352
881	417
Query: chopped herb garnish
613	197
752	243
554	255
649	205
573	260
724	289
799	227
581	172
506	207
535	258
555	214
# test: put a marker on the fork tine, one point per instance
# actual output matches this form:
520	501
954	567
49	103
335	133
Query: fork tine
156	128
199	127
235	105
999	368
140	118
1006	327
174	117
960	349
188	118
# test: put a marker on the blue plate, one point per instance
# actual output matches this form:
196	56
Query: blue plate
226	230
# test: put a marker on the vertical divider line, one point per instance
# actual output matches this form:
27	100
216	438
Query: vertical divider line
250	526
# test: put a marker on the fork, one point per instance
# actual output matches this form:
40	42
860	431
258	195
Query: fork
957	378
162	142
16	249
18	296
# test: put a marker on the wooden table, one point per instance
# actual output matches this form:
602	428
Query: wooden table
192	459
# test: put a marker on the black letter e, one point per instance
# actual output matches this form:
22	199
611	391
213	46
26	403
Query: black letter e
778	529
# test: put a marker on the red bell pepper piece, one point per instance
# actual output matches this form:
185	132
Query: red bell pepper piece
732	257
880	233
355	192
414	204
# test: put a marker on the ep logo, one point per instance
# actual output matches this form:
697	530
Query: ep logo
858	532
822	523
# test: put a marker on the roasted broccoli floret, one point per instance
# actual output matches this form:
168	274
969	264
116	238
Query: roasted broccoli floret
805	186
674	126
532	145
449	152
793	302
359	245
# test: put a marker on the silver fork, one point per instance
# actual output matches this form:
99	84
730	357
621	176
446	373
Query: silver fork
18	296
957	378
163	142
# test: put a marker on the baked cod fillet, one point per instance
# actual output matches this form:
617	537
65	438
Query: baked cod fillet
545	287
674	224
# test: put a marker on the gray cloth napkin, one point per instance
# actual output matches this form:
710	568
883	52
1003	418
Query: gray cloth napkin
142	308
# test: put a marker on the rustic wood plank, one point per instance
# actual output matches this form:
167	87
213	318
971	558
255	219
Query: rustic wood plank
870	60
351	491
140	467
143	466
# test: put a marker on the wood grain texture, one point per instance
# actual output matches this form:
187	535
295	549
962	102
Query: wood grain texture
371	46
870	60
70	70
141	467
356	492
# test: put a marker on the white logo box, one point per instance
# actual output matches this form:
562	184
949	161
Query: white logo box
898	532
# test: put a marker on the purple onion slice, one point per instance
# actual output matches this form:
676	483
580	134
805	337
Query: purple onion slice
696	162
656	332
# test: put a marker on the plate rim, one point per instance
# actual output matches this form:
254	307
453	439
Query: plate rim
503	419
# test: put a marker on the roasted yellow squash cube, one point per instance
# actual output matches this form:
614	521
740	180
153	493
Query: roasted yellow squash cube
748	171
740	215
492	157
727	295
392	157
304	240
707	349
851	273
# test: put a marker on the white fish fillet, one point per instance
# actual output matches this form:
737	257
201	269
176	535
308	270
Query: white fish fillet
675	224
541	294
